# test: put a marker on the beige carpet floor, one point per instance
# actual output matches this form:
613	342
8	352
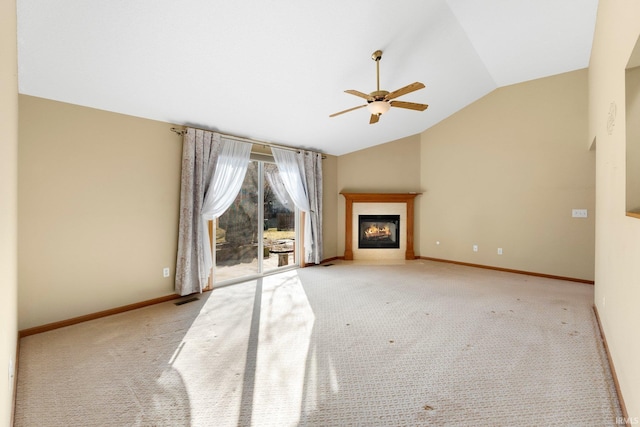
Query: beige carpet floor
418	344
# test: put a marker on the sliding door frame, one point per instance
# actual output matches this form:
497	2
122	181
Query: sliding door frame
298	252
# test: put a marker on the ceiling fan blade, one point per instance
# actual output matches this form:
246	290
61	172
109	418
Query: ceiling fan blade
360	94
346	111
374	119
405	90
409	105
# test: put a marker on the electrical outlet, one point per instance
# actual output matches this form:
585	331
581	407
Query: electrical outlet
475	248
166	272
499	251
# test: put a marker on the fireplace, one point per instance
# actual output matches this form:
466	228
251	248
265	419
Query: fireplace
378	231
370	201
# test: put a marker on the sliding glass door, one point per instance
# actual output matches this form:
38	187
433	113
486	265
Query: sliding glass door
258	233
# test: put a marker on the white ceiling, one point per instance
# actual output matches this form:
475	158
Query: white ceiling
274	70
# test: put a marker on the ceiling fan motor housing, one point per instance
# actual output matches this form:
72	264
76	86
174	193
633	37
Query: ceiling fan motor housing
378	95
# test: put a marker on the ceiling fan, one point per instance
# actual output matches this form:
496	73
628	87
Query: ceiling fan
380	101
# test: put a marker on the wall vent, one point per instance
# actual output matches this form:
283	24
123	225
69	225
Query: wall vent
184	301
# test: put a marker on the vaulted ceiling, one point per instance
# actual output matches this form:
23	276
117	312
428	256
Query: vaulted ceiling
274	70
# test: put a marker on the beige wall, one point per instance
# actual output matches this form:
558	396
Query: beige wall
617	266
99	201
393	167
8	205
330	207
506	172
98	208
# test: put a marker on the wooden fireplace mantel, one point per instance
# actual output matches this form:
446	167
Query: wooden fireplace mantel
352	198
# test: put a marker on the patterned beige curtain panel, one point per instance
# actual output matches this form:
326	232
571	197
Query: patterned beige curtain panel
213	168
200	153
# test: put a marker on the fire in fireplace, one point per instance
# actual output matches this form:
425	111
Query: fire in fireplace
378	231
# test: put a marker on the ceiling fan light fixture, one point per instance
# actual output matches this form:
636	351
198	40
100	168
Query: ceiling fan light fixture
378	107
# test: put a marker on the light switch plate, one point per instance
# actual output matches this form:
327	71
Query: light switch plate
579	213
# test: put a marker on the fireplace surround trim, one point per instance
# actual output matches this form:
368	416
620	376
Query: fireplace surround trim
351	198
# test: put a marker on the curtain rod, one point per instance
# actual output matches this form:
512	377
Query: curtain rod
239	138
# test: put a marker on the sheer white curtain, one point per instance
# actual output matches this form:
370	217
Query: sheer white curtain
292	171
225	185
275	183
